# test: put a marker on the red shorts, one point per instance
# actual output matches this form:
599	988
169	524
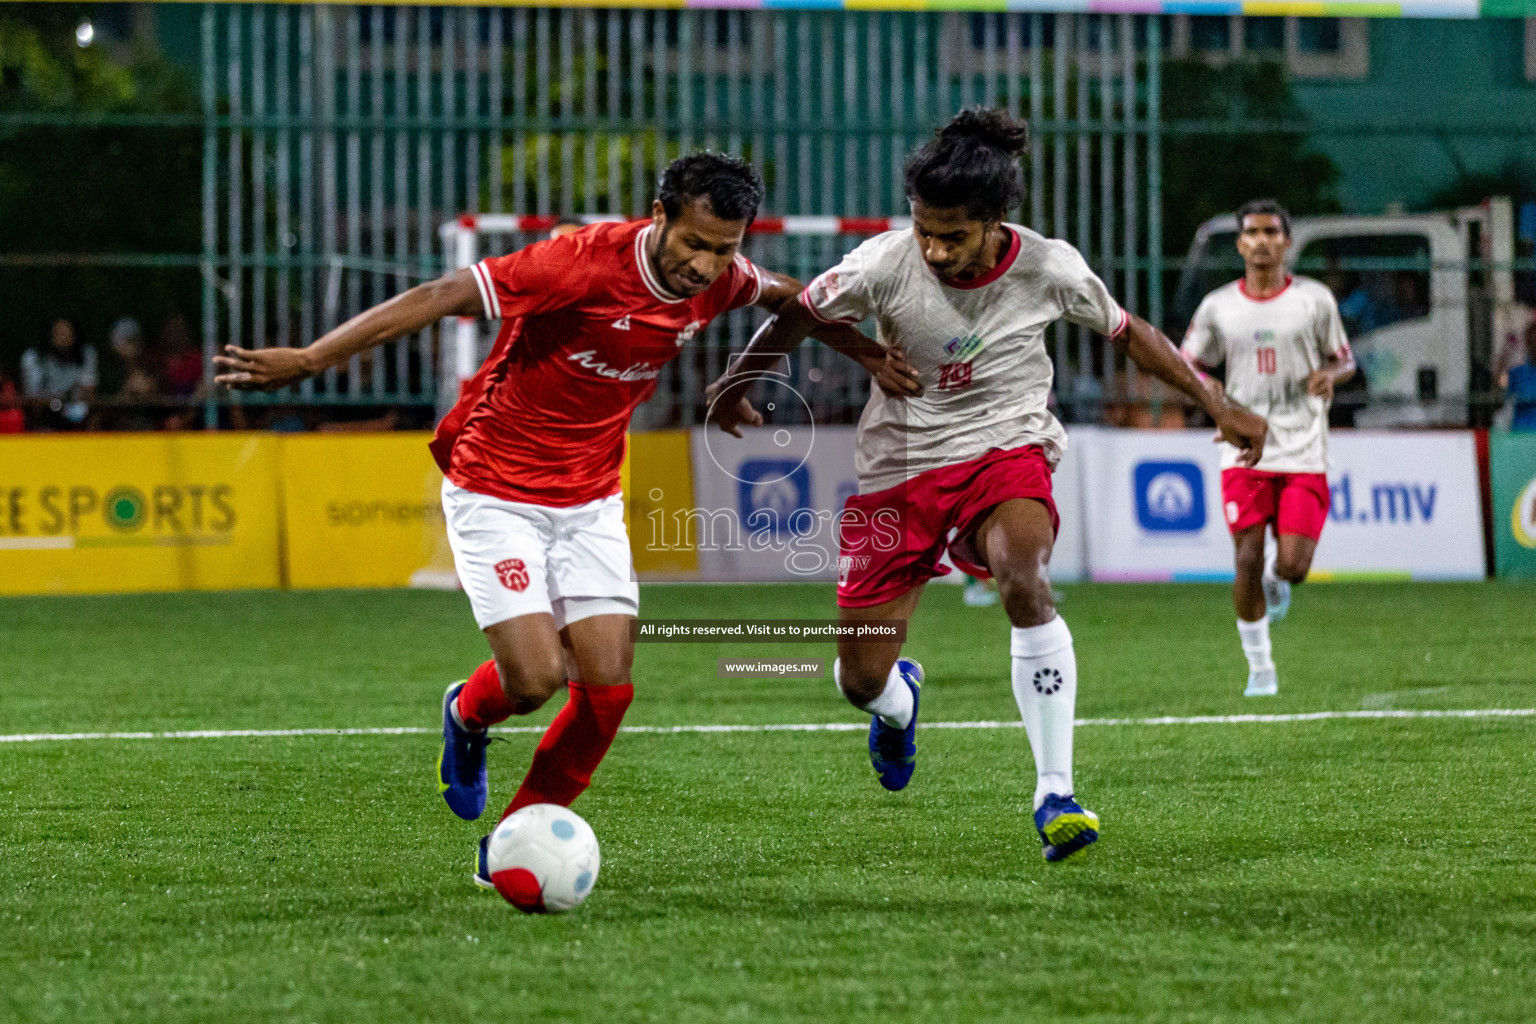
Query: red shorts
891	541
1295	502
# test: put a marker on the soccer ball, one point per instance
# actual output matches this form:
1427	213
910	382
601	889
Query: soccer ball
543	859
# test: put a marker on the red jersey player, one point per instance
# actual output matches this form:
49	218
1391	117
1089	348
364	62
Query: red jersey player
1284	346
531	452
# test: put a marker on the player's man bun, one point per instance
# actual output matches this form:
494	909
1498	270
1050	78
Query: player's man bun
989	126
731	186
972	162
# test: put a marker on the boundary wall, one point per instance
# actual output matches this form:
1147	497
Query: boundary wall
166	512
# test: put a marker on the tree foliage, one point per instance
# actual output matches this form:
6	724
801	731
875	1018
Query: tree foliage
74	185
1213	171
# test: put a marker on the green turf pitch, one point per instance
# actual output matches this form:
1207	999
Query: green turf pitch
1360	870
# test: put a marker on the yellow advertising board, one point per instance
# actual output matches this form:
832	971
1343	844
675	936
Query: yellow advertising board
363	510
89	514
658	482
141	512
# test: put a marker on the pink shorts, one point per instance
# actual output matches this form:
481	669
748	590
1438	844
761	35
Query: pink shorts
1295	503
891	541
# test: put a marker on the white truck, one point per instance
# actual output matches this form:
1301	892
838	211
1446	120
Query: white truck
1431	302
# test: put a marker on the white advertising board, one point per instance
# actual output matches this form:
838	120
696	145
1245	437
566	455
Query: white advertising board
1153	505
766	504
1403	504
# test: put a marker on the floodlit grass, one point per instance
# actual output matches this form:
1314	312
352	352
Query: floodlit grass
1362	870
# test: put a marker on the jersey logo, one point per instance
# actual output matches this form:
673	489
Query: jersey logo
513	574
954	376
685	335
622	323
963	348
635	371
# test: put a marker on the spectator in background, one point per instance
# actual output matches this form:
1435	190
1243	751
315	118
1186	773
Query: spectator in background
183	362
1520	385
136	383
62	374
12	420
183	359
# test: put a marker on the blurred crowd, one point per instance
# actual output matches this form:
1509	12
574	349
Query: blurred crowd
143	382
149	381
67	383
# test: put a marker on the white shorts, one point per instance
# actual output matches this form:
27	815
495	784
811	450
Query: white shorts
518	559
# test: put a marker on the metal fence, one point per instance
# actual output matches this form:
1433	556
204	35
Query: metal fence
337	139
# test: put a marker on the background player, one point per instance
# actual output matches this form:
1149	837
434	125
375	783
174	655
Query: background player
1284	347
531	452
966	298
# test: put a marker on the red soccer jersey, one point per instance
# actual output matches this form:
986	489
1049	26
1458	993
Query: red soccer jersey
586	327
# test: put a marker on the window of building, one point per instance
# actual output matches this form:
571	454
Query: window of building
1319	35
1210	34
1264	35
1309	47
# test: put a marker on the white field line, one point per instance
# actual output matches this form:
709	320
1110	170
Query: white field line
409	730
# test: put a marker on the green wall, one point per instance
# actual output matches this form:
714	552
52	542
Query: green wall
1442	100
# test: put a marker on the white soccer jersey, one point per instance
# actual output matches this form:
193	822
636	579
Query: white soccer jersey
1270	346
978	347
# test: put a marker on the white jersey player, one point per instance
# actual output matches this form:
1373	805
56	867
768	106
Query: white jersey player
967	448
1284	348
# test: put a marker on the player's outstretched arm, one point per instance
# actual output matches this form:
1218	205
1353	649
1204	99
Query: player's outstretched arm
1150	349
891	372
779	335
267	369
791	324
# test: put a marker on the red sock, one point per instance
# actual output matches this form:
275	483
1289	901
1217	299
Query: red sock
482	702
573	745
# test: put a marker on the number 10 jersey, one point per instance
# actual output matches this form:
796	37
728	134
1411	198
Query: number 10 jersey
1270	346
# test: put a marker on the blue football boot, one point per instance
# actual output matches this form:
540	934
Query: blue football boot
1065	826
482	875
461	765
893	751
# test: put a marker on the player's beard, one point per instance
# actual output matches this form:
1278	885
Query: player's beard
669	280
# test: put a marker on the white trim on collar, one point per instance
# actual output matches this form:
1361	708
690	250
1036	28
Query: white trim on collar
647	272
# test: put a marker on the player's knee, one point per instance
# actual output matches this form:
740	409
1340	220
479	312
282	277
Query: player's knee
860	683
1292	570
1250	558
528	684
1026	597
609	669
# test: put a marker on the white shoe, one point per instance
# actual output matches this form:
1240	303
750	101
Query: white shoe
1263	683
1277	592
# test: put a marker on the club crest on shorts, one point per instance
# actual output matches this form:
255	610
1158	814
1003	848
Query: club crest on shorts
1047	681
513	574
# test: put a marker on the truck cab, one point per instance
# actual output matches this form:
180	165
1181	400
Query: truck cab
1428	300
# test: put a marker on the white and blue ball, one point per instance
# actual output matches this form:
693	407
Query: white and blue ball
544	859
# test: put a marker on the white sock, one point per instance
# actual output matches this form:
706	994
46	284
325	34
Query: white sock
894	705
453	709
1255	637
1045	687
